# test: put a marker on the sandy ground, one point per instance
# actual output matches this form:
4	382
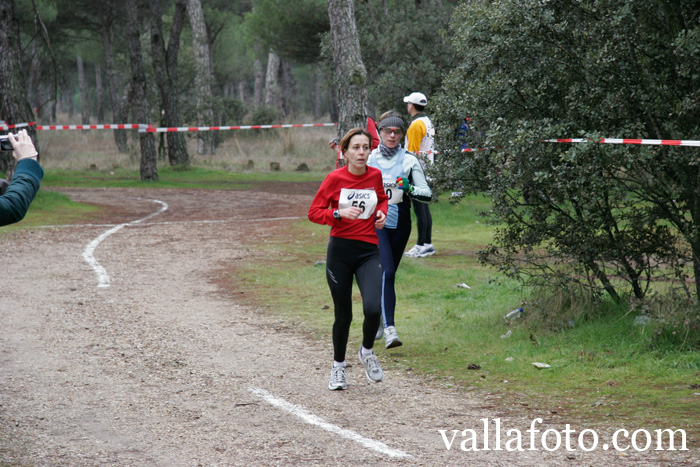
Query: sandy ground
164	368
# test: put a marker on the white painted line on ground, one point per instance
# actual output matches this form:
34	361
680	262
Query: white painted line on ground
312	419
88	252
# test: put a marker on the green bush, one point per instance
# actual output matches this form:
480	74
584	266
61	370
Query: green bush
618	220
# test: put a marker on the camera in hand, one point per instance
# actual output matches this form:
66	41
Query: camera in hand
5	144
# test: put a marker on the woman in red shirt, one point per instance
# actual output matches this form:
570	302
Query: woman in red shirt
353	202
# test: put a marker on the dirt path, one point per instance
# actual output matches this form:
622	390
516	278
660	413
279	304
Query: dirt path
162	369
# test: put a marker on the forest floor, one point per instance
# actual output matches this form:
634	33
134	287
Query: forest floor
165	365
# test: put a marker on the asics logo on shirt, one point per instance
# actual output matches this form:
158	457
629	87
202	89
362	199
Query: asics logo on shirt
358	196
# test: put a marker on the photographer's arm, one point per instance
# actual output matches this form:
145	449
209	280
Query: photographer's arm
25	183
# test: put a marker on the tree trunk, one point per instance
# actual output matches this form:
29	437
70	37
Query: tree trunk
35	96
71	107
149	170
84	108
114	87
165	68
14	105
99	89
259	85
350	72
288	89
272	85
242	89
317	79
53	103
125	110
333	104
203	76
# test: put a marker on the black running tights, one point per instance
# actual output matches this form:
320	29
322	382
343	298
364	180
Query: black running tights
424	222
345	259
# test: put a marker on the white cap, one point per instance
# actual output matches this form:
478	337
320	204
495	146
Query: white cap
416	98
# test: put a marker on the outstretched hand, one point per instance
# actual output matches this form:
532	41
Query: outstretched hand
24	147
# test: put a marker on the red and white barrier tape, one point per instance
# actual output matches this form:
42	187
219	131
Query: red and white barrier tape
6	127
118	126
112	126
142	127
656	142
152	129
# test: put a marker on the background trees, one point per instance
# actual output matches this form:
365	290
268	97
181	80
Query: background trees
257	51
405	48
612	219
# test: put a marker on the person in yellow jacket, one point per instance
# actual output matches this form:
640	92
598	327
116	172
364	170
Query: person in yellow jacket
420	141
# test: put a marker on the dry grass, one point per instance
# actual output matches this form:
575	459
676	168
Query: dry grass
290	147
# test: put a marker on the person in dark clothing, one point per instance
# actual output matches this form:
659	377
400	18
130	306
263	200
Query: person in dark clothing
404	180
20	192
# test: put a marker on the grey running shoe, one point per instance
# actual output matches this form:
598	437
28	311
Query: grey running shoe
413	251
372	369
391	338
380	331
426	250
339	379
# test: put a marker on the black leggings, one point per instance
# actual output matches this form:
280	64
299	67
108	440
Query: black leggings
345	259
424	222
392	243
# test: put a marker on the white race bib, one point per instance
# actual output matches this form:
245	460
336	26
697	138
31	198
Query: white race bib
393	192
363	199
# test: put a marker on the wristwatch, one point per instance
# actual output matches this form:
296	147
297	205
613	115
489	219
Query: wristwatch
336	214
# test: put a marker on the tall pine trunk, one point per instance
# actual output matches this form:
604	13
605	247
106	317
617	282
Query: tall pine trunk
333	104
317	79
350	72
203	76
288	88
82	84
35	96
99	89
149	169
114	87
14	105
259	85
242	91
69	99
165	68
272	81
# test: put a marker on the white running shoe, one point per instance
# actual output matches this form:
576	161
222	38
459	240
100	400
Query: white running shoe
339	379
426	250
391	338
373	371
413	251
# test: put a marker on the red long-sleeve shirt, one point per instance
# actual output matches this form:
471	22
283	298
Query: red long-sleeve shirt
329	193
